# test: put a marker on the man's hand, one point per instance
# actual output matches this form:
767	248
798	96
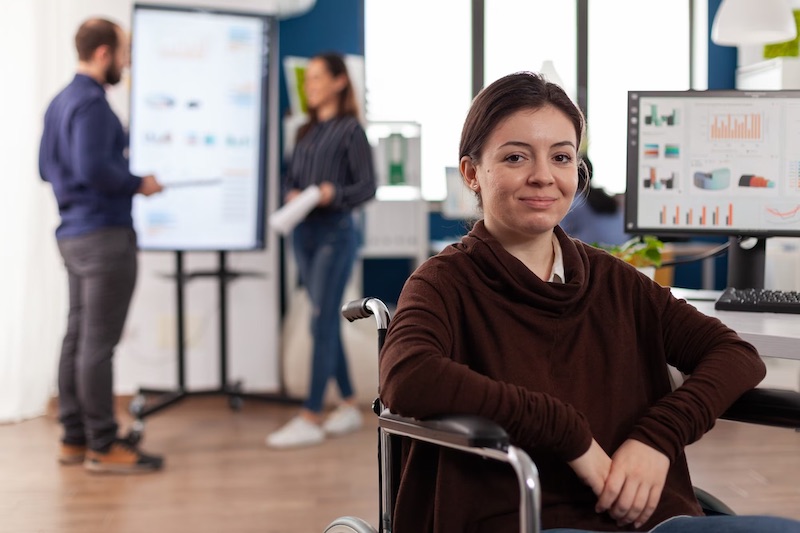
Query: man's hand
592	467
150	185
634	484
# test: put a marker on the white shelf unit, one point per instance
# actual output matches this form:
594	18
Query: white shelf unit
771	74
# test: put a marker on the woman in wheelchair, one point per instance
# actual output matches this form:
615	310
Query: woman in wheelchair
562	344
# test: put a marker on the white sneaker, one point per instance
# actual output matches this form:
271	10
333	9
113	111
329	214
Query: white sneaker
344	419
297	432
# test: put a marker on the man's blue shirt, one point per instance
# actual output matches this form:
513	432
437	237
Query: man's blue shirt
82	155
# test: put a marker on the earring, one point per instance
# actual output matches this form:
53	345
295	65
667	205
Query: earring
474	185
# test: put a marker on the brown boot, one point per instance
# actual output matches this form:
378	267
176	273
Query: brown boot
122	458
72	454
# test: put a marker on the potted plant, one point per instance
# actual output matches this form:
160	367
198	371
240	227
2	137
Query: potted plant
645	253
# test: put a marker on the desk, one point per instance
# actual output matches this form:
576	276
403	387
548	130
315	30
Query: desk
773	334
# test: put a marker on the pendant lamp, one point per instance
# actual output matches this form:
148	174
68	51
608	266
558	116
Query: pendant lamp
743	22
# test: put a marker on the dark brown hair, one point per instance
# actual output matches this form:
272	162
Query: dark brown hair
93	34
347	105
506	96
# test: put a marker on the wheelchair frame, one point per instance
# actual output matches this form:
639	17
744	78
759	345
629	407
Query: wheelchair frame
469	434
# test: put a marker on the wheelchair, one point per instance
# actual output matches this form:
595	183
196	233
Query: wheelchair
484	438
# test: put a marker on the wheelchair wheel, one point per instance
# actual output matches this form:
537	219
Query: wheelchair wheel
712	505
349	524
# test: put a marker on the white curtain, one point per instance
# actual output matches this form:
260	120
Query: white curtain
35	59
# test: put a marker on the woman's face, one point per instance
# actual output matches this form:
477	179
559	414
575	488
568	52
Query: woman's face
528	173
320	86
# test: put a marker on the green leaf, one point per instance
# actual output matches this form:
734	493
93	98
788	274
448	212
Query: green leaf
639	251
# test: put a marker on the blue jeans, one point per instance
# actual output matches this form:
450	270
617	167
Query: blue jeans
716	524
325	248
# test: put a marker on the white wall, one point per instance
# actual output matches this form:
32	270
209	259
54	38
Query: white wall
147	352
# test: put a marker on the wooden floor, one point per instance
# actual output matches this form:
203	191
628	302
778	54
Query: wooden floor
220	477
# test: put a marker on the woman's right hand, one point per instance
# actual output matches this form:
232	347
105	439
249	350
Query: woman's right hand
291	195
634	484
593	467
327	193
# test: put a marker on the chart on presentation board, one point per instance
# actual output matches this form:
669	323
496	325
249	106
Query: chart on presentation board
198	123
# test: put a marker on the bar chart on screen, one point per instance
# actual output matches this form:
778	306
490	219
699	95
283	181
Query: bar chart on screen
741	126
705	215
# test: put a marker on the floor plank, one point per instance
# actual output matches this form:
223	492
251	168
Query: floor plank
219	476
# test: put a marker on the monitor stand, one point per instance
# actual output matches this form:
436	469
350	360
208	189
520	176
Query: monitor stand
746	260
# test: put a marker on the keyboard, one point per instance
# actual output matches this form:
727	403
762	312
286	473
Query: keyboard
759	301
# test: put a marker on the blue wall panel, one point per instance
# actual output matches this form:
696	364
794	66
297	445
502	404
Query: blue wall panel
721	59
332	25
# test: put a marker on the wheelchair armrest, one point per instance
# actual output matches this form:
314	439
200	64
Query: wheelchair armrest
460	430
768	407
474	435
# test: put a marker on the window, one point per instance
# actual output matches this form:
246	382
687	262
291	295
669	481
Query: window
523	35
410	79
648	50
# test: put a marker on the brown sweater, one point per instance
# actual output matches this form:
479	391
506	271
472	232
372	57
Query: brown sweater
476	332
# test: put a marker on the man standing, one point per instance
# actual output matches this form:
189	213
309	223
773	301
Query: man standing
82	155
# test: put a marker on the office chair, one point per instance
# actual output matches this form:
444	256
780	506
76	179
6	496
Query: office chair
478	436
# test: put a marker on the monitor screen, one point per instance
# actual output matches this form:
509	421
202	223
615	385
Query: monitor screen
713	163
199	113
705	163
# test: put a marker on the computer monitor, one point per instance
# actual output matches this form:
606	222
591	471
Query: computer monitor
724	163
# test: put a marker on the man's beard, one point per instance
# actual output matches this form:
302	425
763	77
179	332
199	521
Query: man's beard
113	74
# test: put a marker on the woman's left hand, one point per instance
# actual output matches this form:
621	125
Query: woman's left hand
327	193
634	484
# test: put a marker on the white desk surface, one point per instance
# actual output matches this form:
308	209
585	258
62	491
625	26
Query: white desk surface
773	334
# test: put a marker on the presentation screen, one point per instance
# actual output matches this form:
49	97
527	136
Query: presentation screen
714	162
198	123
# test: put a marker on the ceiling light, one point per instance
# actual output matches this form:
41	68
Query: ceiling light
741	22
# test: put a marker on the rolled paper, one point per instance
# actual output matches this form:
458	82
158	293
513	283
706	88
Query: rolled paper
291	214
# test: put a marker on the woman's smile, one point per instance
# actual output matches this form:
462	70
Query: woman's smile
538	202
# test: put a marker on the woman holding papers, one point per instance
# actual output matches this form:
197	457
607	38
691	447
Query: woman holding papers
332	153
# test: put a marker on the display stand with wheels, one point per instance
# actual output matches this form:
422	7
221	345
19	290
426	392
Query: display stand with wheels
140	407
